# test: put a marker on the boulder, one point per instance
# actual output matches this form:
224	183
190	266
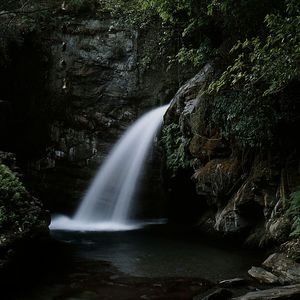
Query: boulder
285	268
291	248
263	276
279	229
187	97
217	176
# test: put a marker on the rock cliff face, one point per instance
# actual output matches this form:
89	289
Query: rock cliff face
96	74
92	77
235	192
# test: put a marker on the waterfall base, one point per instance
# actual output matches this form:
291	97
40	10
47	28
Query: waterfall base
68	224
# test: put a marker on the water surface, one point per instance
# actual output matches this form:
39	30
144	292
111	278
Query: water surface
163	251
155	262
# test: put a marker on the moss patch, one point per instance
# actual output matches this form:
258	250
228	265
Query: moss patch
20	213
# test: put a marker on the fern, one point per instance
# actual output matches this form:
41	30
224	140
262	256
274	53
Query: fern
294	212
175	145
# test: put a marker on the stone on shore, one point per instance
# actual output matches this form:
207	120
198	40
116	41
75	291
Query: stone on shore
285	268
263	275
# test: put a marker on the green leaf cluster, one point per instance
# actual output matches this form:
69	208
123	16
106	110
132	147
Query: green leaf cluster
211	22
197	57
271	62
170	11
294	212
11	188
243	119
131	12
175	146
18	210
258	90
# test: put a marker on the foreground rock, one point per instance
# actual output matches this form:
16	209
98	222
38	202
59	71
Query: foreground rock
278	268
263	275
285	268
284	292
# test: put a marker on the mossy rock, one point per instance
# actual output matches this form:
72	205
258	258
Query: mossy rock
20	213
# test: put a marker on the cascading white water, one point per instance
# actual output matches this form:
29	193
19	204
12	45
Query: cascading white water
106	205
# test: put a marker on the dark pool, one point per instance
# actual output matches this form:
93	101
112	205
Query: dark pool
155	262
163	251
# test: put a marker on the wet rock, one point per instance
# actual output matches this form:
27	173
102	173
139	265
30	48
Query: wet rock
232	282
291	248
208	146
229	221
187	97
263	276
284	292
219	294
217	176
279	229
286	268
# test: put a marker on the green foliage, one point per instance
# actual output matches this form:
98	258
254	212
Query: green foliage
197	27
11	194
178	20
197	57
175	145
251	94
131	12
11	188
272	61
294	212
189	21
17	209
202	26
243	118
170	11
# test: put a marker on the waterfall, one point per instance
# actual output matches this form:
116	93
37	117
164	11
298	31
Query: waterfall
107	203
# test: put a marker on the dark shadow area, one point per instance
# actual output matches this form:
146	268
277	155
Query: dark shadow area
184	206
23	95
34	264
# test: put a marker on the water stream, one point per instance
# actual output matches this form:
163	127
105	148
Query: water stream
107	203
